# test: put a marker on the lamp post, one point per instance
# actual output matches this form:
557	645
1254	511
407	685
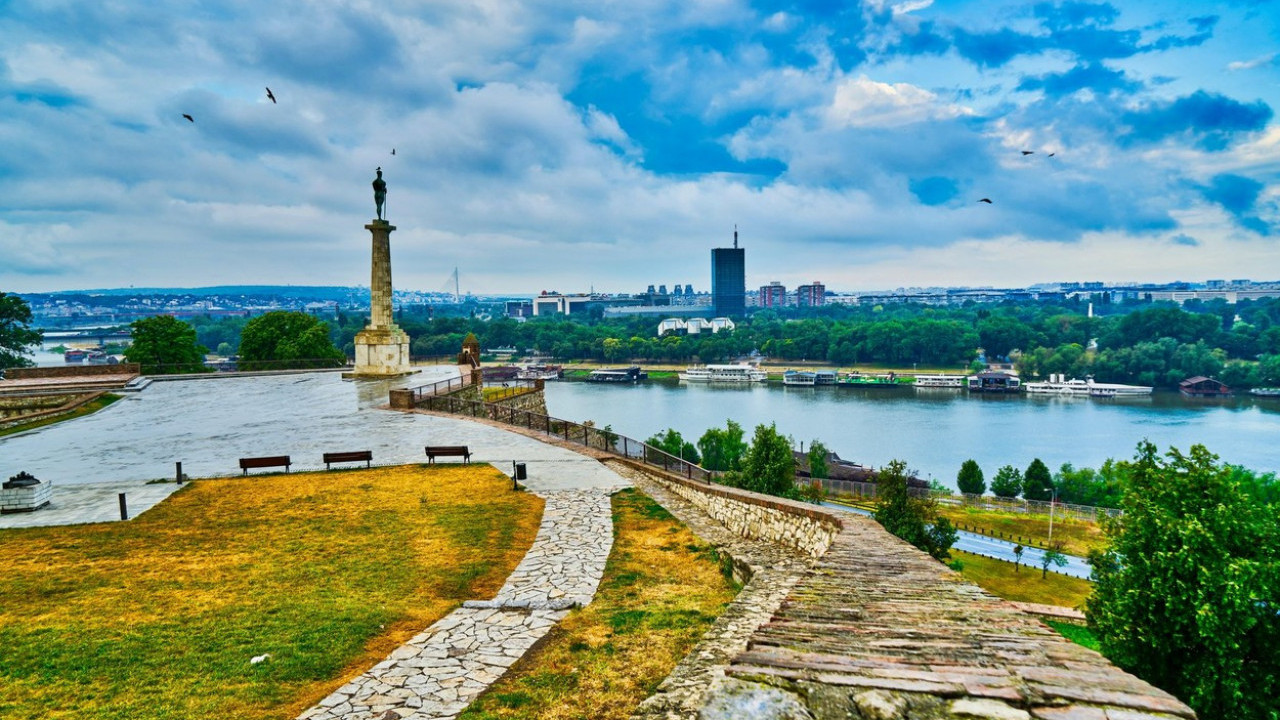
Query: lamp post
1052	500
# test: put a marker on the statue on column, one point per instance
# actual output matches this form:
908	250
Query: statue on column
379	192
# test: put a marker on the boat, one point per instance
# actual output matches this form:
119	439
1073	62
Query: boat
892	380
541	372
940	381
799	378
1265	392
824	377
993	381
75	355
1058	384
632	374
738	374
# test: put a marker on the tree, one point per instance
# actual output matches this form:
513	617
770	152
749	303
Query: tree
1037	481
165	345
1017	556
769	467
722	449
1052	556
671	442
818	460
17	337
1007	483
910	517
1187	595
970	480
287	339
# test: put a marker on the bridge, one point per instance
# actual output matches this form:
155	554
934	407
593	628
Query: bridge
100	335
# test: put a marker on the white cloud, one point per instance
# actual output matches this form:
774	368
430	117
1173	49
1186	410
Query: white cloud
1260	61
863	102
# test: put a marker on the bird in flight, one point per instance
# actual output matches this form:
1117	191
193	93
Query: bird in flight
188	117
271	97
1052	154
986	200
393	151
1028	152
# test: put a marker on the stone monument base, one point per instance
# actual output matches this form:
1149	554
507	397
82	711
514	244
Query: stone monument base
381	353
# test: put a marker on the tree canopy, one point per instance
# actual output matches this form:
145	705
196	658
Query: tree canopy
914	519
673	443
1187	595
1007	483
1037	481
769	467
723	448
165	345
287	339
17	337
970	479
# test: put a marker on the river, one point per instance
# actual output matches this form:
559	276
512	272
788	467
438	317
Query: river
937	430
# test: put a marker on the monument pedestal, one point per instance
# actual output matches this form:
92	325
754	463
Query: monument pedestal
382	348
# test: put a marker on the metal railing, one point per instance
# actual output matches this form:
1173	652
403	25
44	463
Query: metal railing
441	387
576	433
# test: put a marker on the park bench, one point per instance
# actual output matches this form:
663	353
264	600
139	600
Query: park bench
435	451
265	461
365	456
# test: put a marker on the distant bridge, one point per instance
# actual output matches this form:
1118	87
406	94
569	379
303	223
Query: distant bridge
100	335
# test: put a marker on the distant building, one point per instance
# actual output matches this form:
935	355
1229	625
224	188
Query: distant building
671	325
1201	386
773	295
556	304
729	279
519	308
812	295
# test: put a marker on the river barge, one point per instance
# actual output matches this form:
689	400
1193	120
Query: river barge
629	375
1060	385
730	374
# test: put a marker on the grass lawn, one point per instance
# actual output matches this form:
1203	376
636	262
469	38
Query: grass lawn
328	572
88	408
662	590
1077	536
1077	634
1025	585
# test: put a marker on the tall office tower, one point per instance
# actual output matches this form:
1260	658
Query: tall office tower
729	279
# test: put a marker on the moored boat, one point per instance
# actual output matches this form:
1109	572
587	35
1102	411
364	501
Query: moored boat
737	374
802	378
1060	385
1265	392
940	381
632	374
891	380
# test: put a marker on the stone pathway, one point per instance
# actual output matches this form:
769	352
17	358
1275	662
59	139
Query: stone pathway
73	504
769	571
439	672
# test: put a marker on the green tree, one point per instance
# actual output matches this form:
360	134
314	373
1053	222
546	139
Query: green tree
769	467
287	339
17	337
818	460
1007	483
165	345
671	442
1187	595
1037	481
914	519
970	479
1017	556
722	449
1052	556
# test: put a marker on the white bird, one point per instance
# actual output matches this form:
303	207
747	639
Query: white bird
259	658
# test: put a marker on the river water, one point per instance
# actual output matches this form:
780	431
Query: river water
936	430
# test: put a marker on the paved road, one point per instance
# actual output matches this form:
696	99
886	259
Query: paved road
1000	549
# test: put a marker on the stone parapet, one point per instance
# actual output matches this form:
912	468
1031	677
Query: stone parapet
798	525
71	371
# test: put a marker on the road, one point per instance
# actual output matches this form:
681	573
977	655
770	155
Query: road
969	542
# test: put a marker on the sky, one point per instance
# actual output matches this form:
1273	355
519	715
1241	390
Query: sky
573	146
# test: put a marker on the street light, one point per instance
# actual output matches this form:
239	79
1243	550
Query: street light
1052	499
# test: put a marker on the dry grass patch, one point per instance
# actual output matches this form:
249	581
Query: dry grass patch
88	408
662	590
327	572
1024	585
1078	537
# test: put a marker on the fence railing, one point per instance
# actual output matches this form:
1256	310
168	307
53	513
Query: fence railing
1037	507
441	387
507	389
576	433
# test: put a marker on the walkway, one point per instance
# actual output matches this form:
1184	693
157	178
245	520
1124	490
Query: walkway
438	673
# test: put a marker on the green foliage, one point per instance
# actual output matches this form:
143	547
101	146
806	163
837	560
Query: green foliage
970	479
723	449
1007	483
1052	556
769	467
165	345
672	443
1017	556
1099	488
1188	594
914	519
17	337
1037	481
818	460
287	339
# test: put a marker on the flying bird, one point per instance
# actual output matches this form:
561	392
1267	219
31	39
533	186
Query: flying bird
271	97
1052	154
188	117
393	151
986	200
1028	152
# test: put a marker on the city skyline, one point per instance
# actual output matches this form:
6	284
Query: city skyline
571	146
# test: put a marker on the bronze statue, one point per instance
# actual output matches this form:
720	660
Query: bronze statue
379	192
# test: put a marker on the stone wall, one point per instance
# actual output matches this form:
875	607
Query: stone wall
802	526
534	401
68	371
12	413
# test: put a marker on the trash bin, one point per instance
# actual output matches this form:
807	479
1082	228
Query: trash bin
520	472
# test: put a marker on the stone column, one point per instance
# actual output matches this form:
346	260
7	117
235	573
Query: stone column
382	348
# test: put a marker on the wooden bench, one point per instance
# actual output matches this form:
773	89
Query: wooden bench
435	451
266	461
365	456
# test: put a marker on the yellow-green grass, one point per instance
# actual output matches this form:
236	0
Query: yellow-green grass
662	589
1025	584
327	572
1077	537
1078	634
88	408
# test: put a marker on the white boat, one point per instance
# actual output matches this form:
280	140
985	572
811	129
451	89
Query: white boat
724	374
799	377
940	381
1059	385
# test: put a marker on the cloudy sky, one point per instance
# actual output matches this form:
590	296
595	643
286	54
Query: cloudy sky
566	145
